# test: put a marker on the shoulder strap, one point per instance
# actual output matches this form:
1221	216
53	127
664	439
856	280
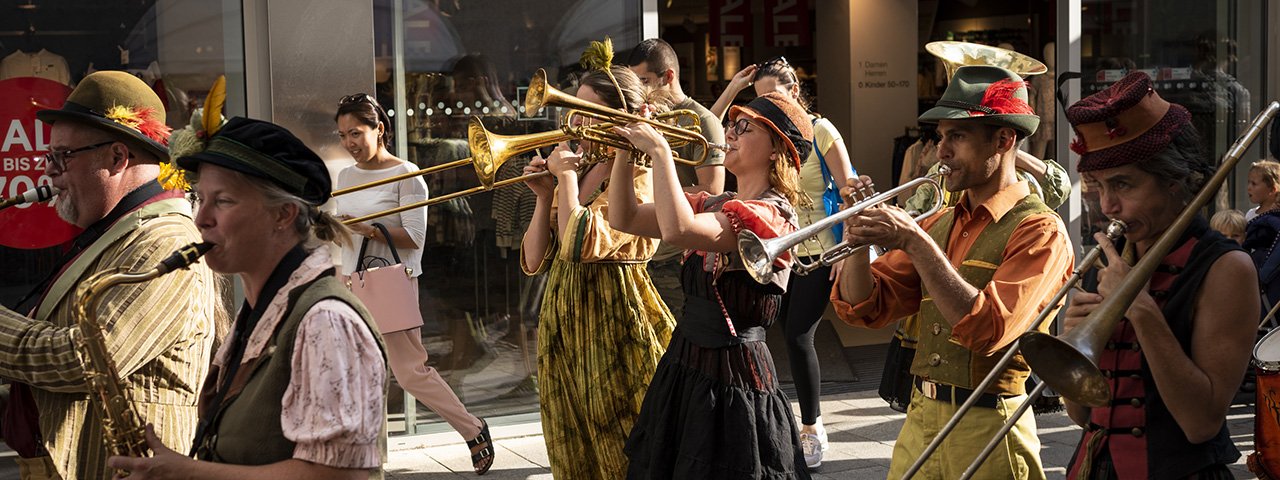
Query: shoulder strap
71	276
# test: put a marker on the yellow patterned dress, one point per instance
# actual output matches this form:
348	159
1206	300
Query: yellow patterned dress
601	332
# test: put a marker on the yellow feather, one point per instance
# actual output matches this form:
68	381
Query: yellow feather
213	106
598	55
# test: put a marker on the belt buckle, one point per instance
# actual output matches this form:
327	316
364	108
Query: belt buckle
929	389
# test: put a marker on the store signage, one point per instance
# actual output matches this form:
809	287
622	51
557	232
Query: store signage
730	22
788	23
22	165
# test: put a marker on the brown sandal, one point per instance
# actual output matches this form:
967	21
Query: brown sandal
482	459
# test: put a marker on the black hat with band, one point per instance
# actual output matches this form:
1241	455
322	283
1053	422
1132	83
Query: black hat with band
269	151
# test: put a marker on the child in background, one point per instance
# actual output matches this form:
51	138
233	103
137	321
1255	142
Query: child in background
1260	233
1230	223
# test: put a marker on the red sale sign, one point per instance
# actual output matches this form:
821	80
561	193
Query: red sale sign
24	142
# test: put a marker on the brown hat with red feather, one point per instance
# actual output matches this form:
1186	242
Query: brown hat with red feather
1123	124
986	94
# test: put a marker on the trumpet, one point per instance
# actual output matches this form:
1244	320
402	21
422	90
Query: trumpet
1114	230
489	151
759	255
122	425
42	193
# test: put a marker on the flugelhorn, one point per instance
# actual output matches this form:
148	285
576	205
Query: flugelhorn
122	426
41	193
759	254
1114	230
1069	363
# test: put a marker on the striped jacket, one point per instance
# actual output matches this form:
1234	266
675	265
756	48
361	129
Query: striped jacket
160	334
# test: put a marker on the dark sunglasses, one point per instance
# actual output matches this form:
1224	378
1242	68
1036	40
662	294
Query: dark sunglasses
357	98
778	60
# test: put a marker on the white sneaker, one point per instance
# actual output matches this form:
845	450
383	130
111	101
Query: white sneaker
812	445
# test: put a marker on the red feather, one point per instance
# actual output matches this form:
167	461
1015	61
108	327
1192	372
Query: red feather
1000	97
152	128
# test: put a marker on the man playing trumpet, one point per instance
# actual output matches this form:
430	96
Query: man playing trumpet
977	274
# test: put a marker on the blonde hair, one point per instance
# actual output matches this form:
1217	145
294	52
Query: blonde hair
1228	222
784	176
1269	170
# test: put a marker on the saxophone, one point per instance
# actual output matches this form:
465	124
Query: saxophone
123	427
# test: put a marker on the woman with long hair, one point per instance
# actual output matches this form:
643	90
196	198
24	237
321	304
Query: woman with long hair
806	300
602	327
714	408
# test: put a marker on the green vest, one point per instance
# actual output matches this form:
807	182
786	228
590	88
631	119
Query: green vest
939	357
246	428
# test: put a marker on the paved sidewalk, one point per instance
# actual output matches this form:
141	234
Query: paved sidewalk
860	426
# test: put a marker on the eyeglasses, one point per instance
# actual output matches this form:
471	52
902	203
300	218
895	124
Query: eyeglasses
357	98
59	158
739	127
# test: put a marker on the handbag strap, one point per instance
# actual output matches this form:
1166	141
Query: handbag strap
364	245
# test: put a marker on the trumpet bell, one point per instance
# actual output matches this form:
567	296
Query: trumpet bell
756	255
959	54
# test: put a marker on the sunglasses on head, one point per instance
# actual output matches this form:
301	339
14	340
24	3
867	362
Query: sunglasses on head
778	60
357	98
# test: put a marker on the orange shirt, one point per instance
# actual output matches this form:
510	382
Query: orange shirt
1037	262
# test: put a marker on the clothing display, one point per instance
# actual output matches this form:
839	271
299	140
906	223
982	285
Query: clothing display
1137	436
714	408
43	64
162	360
601	331
512	208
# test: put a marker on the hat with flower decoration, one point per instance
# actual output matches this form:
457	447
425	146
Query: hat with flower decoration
194	138
119	103
1124	123
986	94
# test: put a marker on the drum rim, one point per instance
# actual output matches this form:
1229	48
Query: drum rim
1268	365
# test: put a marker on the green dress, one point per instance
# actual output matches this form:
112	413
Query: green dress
601	332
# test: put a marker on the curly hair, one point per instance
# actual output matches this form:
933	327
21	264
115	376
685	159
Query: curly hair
783	175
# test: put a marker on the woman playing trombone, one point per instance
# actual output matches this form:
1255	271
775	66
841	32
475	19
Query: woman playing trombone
602	326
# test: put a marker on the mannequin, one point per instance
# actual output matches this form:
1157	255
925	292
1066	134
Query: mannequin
1042	88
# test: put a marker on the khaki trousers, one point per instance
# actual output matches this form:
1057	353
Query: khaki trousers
408	360
1017	457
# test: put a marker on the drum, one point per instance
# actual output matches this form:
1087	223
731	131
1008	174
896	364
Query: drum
1265	461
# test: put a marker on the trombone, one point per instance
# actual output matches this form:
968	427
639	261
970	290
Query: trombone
759	254
1068	363
489	151
1113	232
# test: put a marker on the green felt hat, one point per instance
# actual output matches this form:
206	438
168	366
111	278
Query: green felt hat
119	103
986	94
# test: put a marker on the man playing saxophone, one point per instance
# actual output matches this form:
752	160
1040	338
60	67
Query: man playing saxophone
107	147
977	274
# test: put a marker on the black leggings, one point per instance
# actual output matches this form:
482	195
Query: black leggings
806	299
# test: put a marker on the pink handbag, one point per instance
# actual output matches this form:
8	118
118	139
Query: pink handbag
386	290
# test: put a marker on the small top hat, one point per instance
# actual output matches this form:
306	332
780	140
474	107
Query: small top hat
1123	124
119	103
986	94
269	151
785	117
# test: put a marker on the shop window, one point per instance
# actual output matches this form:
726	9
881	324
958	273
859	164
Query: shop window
1204	55
439	64
179	48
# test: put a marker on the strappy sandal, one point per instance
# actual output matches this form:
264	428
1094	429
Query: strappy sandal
482	459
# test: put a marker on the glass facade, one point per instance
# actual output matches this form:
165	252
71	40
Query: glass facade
438	65
1207	56
179	48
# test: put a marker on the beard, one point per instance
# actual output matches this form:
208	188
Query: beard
66	208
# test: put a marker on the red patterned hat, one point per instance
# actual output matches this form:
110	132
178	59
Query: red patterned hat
1123	124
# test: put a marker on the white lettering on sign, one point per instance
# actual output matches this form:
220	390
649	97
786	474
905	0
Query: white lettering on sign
20	184
16	134
780	40
726	19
